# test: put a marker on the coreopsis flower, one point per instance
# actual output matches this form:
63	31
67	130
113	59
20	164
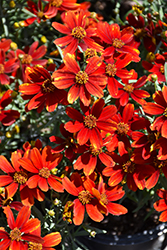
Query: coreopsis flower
40	166
161	205
115	67
63	5
78	33
21	230
39	13
158	108
50	240
127	169
118	41
89	157
6	67
7	117
67	143
16	178
83	84
40	90
130	88
90	125
84	200
30	56
157	67
106	195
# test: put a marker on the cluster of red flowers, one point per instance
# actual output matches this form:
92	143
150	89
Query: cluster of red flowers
110	136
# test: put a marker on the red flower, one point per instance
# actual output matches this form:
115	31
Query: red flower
63	5
5	44
82	83
115	67
7	117
158	108
21	230
78	33
66	144
83	201
161	205
6	67
6	200
16	178
157	67
106	196
41	165
50	240
120	41
90	125
39	12
89	158
130	88
41	90
30	56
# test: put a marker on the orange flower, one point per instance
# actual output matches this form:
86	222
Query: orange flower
161	205
82	83
21	230
40	165
78	33
41	90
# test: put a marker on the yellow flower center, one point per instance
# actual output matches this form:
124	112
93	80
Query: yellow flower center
128	88
140	33
79	32
165	112
161	69
128	167
56	3
90	121
48	86
111	69
95	151
15	234
117	43
44	172
34	246
40	14
90	53
103	199
81	77
27	59
20	177
84	197
122	128
2	69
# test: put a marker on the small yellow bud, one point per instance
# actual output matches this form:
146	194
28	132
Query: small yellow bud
16	129
92	233
50	61
2	190
13	46
16	25
51	213
21	23
12	4
150	57
138	9
154	77
8	134
56	202
44	39
54	171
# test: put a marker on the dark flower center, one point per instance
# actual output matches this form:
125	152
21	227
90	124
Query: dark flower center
40	14
90	53
128	88
15	234
44	172
90	121
48	86
84	197
122	128
128	167
95	151
2	69
81	77
103	199
20	177
56	3
27	59
79	32
117	43
111	69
